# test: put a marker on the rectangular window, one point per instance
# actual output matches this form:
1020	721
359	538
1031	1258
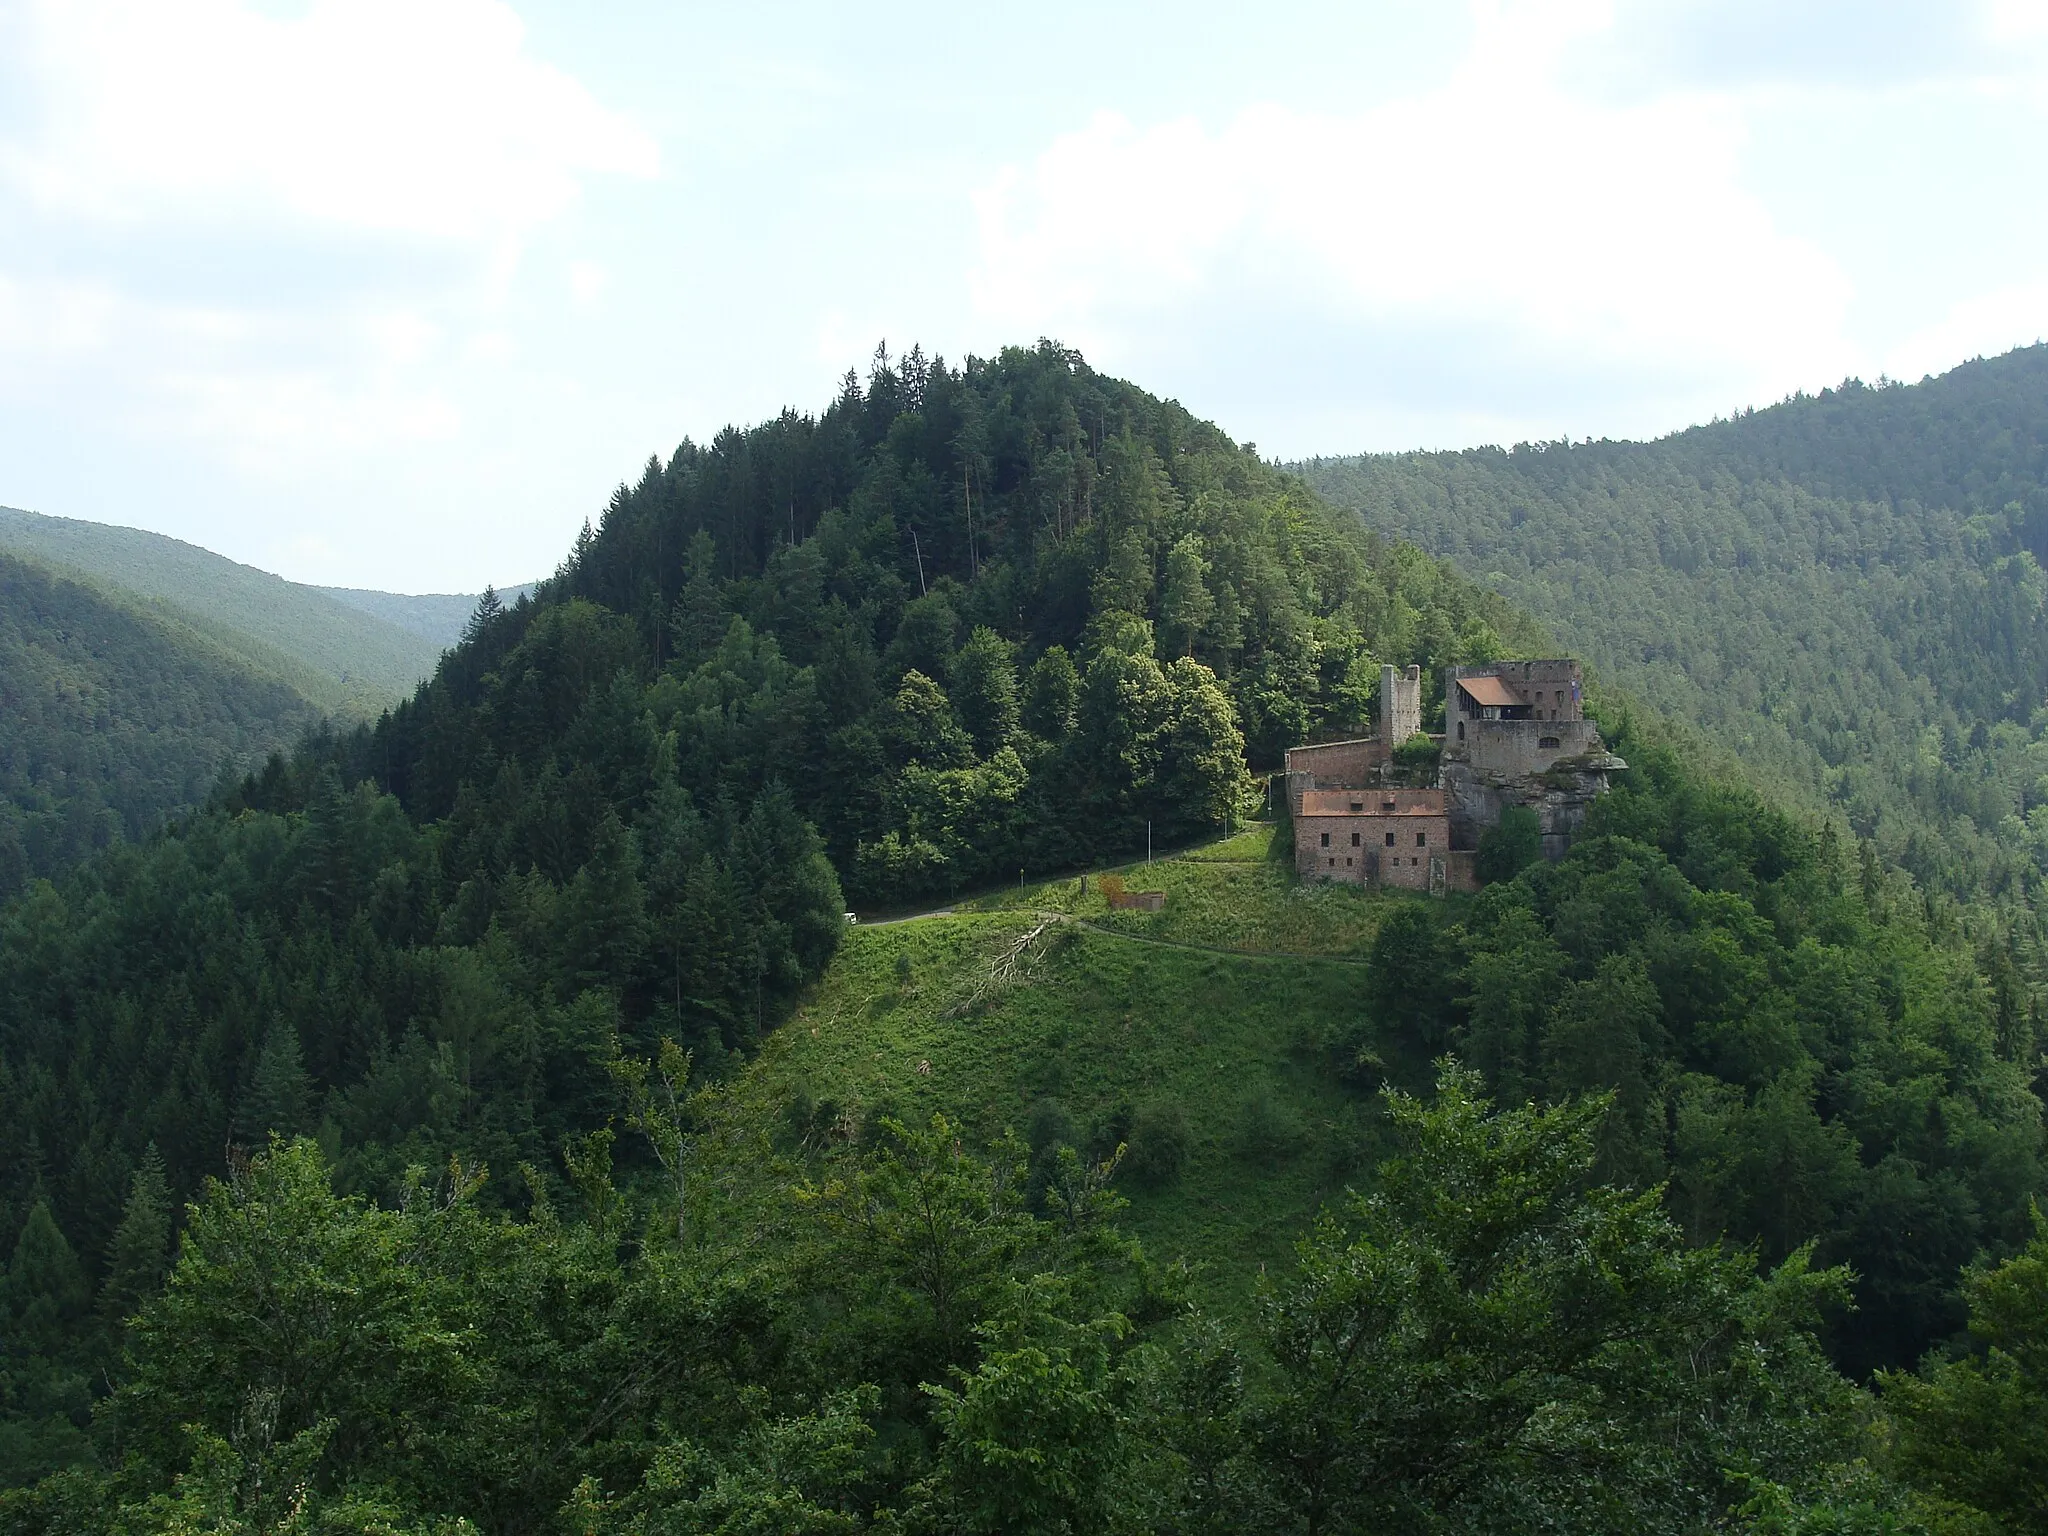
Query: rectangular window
1326	839
1422	839
1547	743
1356	807
1354	839
1390	839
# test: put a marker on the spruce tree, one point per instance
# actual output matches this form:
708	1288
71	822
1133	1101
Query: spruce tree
279	1096
46	1290
141	1249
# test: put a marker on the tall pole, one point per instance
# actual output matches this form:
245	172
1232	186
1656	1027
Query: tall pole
1148	842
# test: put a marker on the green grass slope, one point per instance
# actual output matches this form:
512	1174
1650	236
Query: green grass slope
110	720
341	658
1843	590
1113	1028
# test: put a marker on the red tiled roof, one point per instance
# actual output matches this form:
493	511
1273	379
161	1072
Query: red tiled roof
1490	691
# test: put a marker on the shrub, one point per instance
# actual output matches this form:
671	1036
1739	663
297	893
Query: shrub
1159	1144
1270	1128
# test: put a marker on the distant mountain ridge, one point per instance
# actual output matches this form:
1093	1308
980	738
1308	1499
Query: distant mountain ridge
343	658
111	720
135	669
437	616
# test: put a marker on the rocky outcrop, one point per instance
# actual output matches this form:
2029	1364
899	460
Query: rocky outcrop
1560	796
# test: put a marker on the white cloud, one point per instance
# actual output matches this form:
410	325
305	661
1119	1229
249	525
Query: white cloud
416	117
1570	234
1981	326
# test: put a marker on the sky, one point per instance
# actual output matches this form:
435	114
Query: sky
391	293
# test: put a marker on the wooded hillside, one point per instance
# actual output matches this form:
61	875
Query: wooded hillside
1844	591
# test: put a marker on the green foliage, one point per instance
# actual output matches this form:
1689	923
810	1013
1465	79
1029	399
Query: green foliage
1510	847
993	618
1710	964
337	653
1160	1143
1968	1428
113	722
1484	1343
1842	593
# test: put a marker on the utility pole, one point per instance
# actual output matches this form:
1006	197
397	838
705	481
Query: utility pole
919	548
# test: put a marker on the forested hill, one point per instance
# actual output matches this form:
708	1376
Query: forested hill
963	623
344	659
111	719
507	1208
1844	589
974	621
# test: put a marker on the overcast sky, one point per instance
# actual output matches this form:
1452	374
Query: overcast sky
392	292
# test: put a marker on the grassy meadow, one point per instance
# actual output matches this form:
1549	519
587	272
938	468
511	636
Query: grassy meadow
1107	1039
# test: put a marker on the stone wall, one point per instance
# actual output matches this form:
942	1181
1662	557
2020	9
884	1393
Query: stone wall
1557	681
1400	705
1515	748
1337	764
1560	799
1357	850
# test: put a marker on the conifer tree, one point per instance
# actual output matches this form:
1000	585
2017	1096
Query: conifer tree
139	1254
279	1096
984	690
46	1291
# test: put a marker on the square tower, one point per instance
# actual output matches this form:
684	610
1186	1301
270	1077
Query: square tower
1400	705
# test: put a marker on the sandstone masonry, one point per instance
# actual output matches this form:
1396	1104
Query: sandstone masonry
1515	734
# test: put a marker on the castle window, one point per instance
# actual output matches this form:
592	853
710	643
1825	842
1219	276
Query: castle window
1326	839
1357	805
1354	839
1461	730
1387	806
1422	839
1539	695
1547	743
1390	839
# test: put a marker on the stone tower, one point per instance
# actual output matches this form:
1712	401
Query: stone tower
1400	705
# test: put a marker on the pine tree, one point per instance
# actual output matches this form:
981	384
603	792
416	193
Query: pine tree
700	618
279	1096
1186	604
140	1252
488	607
46	1291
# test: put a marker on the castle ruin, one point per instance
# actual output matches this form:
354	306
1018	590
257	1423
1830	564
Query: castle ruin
1515	733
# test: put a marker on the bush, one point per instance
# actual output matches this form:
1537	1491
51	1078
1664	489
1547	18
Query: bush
1270	1128
1048	1126
1416	754
1159	1144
